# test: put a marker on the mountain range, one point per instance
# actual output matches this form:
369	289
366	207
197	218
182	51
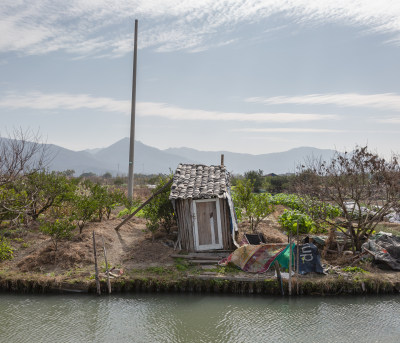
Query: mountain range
150	160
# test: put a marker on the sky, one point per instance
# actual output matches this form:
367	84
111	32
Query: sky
245	76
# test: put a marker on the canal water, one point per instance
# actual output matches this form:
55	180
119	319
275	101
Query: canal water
198	318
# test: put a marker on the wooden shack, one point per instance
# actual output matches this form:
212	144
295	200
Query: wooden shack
201	198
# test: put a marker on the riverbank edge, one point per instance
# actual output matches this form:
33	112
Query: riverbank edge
325	286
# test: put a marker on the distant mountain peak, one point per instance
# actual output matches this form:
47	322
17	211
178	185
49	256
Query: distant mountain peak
150	160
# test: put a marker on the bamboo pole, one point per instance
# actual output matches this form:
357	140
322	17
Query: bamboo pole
107	271
95	266
290	263
278	276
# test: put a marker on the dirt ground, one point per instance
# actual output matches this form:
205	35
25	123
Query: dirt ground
269	227
131	248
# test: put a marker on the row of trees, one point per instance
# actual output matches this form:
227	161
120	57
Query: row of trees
363	185
119	180
59	201
54	200
351	193
271	183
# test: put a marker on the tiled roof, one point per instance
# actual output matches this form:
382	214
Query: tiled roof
199	182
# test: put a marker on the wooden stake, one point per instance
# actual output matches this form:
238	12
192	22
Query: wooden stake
95	266
222	160
290	263
278	276
107	271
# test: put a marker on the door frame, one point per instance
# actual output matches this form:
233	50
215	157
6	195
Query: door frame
196	229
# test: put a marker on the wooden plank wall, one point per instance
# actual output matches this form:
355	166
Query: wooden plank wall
185	222
225	225
183	211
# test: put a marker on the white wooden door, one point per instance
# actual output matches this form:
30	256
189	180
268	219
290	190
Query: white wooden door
207	225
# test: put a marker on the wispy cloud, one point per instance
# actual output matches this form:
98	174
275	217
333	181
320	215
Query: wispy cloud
387	101
178	113
63	101
288	130
103	27
392	120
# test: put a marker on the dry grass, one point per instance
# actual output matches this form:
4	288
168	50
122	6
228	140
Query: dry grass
130	247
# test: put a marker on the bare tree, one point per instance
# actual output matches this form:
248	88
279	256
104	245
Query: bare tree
364	186
21	152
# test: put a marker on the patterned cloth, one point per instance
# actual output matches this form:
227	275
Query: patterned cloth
253	258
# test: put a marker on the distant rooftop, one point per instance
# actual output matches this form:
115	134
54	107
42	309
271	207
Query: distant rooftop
198	181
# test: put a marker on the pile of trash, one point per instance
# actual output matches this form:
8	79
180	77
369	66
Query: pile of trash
256	256
385	248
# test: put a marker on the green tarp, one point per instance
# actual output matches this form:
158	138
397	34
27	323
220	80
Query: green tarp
283	257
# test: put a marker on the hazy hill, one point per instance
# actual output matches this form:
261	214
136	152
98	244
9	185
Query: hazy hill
150	160
62	159
278	163
147	159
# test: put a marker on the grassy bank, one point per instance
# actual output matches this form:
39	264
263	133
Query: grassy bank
34	283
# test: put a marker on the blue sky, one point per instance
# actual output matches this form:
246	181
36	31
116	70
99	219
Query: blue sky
244	76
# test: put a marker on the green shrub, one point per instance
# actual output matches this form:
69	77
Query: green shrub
290	219
313	207
159	212
58	229
45	190
128	211
253	206
6	250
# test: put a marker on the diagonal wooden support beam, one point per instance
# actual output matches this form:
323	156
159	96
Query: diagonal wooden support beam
144	204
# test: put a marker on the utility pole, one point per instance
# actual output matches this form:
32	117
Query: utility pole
133	110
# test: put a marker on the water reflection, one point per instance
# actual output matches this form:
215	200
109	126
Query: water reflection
198	318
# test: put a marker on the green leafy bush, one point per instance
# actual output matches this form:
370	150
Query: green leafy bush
128	211
290	219
93	201
159	212
85	207
241	196
12	205
6	250
33	194
45	190
253	206
58	229
313	207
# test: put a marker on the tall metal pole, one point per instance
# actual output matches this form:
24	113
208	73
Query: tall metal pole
133	110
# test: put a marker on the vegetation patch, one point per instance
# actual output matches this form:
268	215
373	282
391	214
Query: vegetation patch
6	251
354	270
